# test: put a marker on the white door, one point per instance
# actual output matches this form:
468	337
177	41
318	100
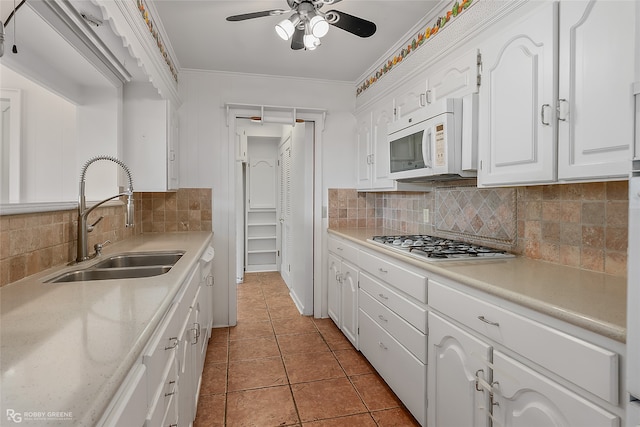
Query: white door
517	139
333	288
285	210
525	398
595	127
349	303
456	360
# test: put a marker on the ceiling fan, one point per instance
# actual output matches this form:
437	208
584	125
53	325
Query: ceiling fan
307	24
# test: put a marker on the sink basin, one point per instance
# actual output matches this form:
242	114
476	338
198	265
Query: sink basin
111	273
129	265
140	259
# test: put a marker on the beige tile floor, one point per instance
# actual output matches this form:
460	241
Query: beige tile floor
278	368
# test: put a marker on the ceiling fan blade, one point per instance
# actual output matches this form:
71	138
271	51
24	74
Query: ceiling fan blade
358	26
297	40
252	15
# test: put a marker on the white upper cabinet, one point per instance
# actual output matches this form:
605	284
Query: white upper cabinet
455	78
382	116
556	99
517	141
598	48
411	96
151	139
364	155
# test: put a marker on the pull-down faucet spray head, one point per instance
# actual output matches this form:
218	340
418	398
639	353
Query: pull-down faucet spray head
83	211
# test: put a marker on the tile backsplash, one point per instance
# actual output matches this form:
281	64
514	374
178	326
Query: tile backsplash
30	243
580	225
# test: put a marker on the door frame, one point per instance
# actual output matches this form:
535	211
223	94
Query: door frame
283	115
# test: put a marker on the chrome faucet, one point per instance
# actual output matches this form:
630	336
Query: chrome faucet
83	211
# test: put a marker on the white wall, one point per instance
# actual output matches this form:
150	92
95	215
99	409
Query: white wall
59	136
204	146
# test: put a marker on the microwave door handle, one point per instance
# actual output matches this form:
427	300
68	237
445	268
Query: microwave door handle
426	149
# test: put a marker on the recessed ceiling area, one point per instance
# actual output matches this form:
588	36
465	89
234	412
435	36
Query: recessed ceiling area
203	39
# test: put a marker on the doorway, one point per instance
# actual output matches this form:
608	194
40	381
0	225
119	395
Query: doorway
275	225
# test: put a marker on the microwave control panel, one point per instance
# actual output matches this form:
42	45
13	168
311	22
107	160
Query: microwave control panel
440	146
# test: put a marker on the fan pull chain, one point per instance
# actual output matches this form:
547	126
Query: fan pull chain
15	21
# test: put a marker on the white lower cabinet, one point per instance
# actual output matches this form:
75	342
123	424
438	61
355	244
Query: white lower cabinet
505	369
392	320
401	370
523	397
343	288
457	360
162	388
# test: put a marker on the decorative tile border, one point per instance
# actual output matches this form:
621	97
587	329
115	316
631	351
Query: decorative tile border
148	19
413	44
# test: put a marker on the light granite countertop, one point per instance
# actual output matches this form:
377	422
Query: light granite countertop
591	300
66	347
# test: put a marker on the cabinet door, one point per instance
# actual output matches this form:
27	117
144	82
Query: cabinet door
333	288
598	49
517	141
349	303
458	77
173	144
525	398
382	116
412	96
363	172
456	358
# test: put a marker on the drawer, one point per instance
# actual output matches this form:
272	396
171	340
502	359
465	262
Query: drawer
405	374
409	311
164	394
397	276
162	346
343	249
411	338
557	351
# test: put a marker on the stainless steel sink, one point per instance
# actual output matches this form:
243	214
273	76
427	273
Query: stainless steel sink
128	265
140	259
111	273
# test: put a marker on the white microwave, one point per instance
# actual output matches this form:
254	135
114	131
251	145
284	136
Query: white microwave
428	143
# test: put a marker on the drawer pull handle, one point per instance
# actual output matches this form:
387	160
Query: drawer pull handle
172	391
174	344
382	346
339	248
382	270
488	322
383	296
381	317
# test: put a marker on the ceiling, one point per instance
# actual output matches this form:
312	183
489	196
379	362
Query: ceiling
202	39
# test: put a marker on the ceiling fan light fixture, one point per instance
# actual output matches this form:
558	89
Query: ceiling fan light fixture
310	41
286	27
319	26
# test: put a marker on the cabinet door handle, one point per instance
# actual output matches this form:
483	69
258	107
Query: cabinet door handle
173	344
423	99
563	109
383	296
382	346
542	110
488	322
381	317
382	270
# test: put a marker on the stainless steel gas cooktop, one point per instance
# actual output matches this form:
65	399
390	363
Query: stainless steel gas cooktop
431	248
